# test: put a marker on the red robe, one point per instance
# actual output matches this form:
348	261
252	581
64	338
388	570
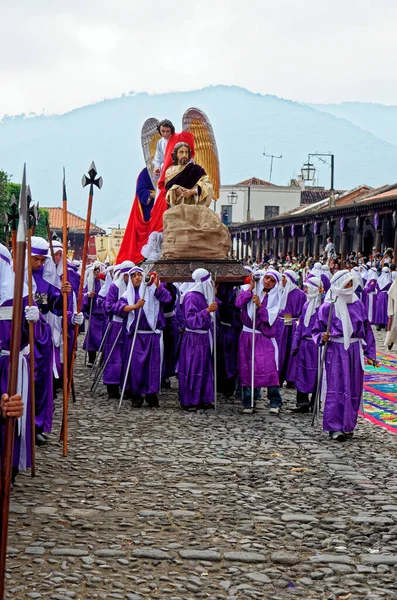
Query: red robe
138	230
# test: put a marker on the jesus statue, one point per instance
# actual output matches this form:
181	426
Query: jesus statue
186	182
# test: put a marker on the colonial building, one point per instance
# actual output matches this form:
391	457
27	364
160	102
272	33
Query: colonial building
255	199
358	220
76	230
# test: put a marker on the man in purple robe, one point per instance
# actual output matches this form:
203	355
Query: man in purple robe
195	365
171	336
48	297
93	311
23	441
292	300
114	345
304	348
369	295
350	338
228	335
382	287
142	312
265	301
73	274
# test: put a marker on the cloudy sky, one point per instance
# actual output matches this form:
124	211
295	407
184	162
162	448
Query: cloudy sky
57	54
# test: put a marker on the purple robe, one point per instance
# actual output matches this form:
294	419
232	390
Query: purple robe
265	359
93	338
287	362
5	338
306	352
195	367
144	375
382	298
369	298
144	186
74	278
114	311
343	376
325	280
171	333
228	332
49	299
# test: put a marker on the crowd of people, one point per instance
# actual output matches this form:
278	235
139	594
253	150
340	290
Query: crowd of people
294	323
269	332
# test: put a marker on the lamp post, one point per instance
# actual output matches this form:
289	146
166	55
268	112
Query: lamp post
232	199
308	172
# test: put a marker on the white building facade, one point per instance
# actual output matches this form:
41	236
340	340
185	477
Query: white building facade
255	200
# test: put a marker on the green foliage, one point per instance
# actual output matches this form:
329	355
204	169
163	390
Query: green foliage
41	228
8	189
5	202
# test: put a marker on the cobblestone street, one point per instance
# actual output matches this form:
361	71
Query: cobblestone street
162	504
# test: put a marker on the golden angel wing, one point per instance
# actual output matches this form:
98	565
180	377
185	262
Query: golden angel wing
205	149
149	137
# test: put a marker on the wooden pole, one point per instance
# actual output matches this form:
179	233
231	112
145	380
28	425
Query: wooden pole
31	352
65	320
91	182
15	345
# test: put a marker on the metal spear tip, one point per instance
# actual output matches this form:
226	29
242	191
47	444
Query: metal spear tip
92	170
99	182
23	209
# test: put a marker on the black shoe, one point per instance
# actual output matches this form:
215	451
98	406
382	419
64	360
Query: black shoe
191	408
152	400
390	346
113	392
166	384
208	406
339	436
137	401
40	440
290	385
301	409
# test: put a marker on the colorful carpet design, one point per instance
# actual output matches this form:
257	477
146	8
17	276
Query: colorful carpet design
380	393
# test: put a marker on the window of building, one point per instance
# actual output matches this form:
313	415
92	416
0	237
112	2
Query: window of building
271	211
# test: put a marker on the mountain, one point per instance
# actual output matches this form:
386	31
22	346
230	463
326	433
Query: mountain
244	123
378	119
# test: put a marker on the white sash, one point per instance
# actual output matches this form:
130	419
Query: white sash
23	390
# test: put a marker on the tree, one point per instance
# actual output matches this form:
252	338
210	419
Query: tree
8	189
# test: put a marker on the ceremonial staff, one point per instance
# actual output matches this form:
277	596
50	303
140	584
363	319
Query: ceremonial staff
316	406
146	281
255	278
15	344
65	317
91	181
32	220
215	356
12	222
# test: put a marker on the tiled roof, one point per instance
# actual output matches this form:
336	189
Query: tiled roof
75	223
255	181
309	196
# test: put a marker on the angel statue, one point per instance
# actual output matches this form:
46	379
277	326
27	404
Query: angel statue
182	169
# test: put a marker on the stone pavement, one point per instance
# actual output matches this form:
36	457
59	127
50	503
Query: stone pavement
162	504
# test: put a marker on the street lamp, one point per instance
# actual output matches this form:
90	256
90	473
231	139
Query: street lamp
232	197
308	171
